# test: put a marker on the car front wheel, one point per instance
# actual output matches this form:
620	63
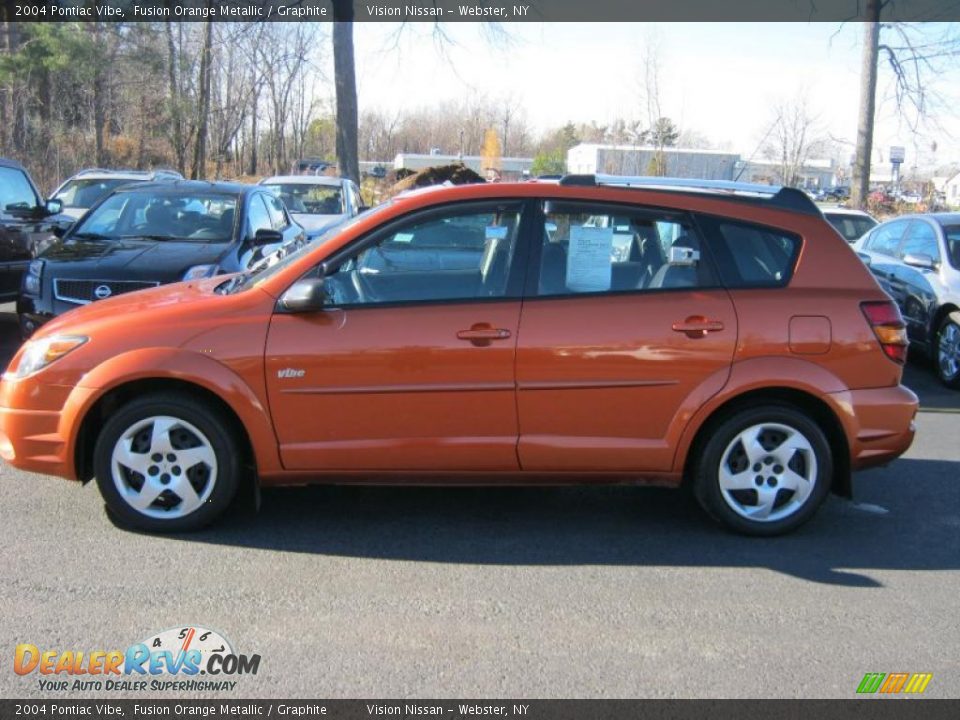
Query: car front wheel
167	464
764	470
948	351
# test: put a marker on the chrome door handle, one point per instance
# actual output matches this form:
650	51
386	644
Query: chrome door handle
483	334
697	326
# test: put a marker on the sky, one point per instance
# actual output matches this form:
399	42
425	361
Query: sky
720	80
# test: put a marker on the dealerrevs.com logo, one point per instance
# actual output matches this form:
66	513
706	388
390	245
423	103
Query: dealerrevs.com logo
180	659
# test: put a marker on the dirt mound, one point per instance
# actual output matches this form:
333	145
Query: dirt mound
457	174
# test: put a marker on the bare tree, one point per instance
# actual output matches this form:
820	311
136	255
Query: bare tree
915	54
794	139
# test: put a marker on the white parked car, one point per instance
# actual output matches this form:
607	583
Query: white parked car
316	202
851	224
85	189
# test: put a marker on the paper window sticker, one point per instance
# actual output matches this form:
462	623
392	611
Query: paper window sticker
588	259
403	237
496	232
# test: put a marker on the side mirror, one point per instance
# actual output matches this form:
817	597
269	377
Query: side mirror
864	258
920	260
59	231
267	237
305	295
54	206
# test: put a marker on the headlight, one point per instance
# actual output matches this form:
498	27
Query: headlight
200	271
31	278
37	354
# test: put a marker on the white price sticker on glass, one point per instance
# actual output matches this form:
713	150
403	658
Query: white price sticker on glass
588	259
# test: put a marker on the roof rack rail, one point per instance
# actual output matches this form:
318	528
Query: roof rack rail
777	196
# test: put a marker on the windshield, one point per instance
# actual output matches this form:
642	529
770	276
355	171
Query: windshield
198	217
309	199
272	264
83	194
852	227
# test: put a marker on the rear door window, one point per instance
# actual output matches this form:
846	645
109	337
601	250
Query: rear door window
752	255
602	249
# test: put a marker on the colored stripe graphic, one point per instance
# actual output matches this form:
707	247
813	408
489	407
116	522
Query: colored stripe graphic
918	682
871	682
894	682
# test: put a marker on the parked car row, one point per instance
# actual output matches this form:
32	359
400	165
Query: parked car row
109	232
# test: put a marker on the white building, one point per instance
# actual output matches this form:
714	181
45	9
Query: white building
815	173
594	158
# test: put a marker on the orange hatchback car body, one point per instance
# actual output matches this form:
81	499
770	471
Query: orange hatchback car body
603	330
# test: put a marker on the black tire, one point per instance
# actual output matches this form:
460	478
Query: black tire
213	432
795	506
948	372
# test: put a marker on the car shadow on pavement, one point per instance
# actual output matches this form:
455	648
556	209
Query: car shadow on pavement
611	526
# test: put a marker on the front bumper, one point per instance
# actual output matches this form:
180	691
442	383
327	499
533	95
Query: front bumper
38	425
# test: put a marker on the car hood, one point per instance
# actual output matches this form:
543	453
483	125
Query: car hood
165	299
139	258
316	223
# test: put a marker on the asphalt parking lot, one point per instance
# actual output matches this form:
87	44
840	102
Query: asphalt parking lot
520	593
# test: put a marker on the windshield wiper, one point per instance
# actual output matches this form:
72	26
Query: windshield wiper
162	238
91	236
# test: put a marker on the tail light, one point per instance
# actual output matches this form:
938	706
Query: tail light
887	324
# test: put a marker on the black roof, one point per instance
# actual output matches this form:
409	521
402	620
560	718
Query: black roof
187	186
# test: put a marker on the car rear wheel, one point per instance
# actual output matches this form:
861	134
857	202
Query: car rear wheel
167	464
764	470
948	351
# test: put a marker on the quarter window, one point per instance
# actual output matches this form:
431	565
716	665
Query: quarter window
455	257
751	256
599	250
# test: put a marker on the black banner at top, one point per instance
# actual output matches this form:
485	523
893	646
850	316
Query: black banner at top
477	10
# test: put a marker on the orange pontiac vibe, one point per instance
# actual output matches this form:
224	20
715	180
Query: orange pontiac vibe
597	329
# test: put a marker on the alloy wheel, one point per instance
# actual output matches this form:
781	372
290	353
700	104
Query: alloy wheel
163	467
948	351
767	472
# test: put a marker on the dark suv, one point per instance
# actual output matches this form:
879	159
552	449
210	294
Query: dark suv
27	224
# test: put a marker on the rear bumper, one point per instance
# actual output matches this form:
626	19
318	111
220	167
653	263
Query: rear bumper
879	423
42	438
